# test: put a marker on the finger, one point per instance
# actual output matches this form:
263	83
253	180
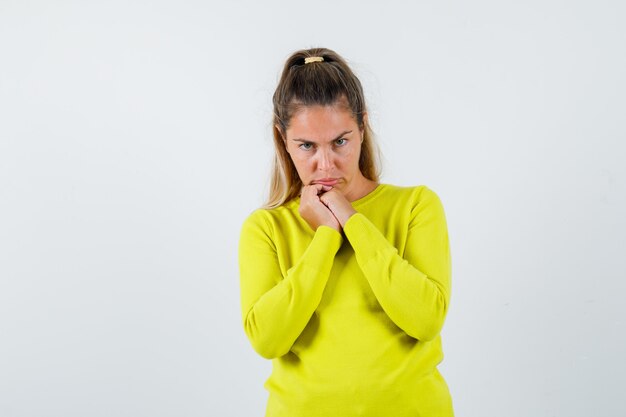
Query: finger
315	189
306	189
312	186
326	198
311	192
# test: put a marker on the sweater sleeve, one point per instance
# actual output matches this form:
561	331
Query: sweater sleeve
277	308
413	289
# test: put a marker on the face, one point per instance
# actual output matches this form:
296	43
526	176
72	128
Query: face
324	143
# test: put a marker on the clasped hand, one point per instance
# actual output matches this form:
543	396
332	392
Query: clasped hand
321	205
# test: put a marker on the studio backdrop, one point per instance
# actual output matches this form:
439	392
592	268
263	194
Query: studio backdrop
135	138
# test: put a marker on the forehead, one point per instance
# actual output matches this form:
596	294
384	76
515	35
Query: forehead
320	122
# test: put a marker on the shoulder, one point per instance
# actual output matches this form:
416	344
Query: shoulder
426	207
267	220
419	202
414	194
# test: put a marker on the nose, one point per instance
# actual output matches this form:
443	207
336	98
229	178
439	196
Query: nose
325	160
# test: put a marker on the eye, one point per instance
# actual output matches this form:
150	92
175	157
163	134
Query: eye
341	142
305	146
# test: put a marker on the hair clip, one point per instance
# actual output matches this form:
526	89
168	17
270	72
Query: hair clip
310	59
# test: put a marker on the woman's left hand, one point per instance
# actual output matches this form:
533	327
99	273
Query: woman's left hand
338	204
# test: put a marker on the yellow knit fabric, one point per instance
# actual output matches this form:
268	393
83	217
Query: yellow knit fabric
351	322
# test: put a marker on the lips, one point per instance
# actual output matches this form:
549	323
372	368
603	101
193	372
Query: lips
326	181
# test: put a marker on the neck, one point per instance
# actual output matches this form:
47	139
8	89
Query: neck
361	187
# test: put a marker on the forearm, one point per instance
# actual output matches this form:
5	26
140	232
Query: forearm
415	300
275	318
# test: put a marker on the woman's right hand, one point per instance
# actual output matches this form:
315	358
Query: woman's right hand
313	211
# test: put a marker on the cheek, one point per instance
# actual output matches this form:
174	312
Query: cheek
301	162
297	158
351	156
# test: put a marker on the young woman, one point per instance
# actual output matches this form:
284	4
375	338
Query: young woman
345	282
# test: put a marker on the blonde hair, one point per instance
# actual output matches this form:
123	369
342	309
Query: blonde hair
305	82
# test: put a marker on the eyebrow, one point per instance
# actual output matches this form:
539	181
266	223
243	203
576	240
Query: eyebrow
311	141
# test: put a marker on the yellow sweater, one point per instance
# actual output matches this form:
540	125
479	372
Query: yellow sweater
351	322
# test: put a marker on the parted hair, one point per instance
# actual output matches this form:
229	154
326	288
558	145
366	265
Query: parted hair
330	82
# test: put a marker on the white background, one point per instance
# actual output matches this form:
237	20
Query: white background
135	138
